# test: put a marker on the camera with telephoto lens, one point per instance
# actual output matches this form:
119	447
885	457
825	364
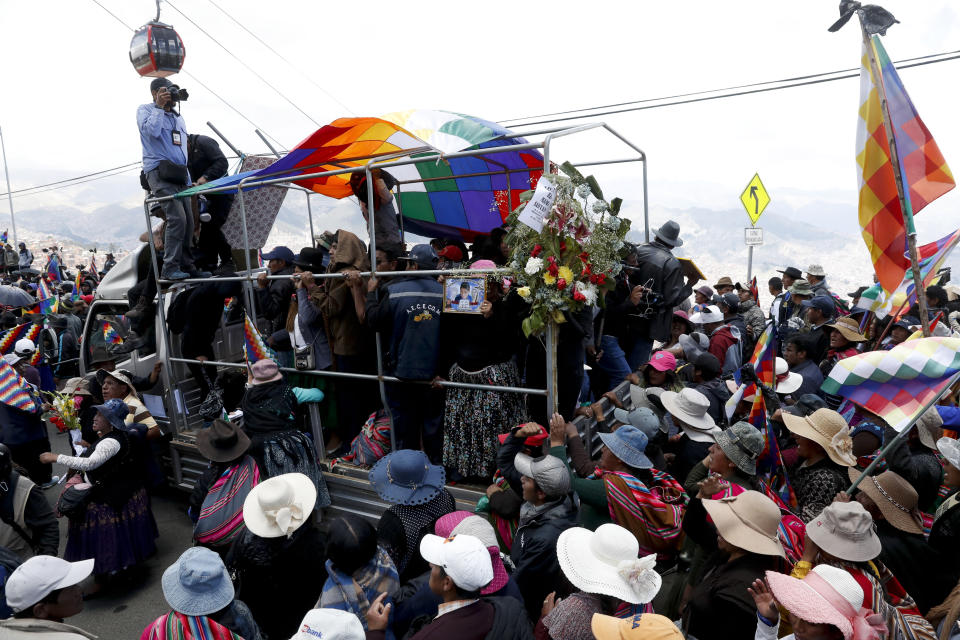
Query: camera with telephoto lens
177	94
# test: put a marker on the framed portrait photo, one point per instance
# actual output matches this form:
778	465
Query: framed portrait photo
464	295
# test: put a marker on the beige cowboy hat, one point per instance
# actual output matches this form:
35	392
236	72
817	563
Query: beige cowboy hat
280	505
895	498
828	429
749	520
689	408
848	328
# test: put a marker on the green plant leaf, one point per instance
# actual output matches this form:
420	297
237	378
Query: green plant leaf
624	227
526	195
595	188
615	206
572	171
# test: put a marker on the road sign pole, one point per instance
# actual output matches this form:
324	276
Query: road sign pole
749	262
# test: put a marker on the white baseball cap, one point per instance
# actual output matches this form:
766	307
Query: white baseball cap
24	347
36	578
709	315
462	557
11	358
329	624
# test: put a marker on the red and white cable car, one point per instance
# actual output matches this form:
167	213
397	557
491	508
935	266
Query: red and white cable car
156	50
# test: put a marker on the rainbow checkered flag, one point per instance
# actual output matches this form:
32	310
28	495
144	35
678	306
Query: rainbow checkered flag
14	390
110	335
3	236
254	347
76	287
764	363
9	339
898	383
48	301
926	176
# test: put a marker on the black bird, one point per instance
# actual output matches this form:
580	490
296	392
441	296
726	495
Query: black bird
876	19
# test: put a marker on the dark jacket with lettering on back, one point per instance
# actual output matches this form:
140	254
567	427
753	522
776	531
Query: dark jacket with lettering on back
408	309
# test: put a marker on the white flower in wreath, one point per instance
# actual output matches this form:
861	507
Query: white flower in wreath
599	207
583	190
533	266
589	292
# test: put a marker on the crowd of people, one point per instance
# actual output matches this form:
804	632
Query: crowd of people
681	527
677	523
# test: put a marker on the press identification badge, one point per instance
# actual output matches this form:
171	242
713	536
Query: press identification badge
175	135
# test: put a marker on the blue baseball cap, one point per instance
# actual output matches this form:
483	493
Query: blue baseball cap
423	255
280	253
822	303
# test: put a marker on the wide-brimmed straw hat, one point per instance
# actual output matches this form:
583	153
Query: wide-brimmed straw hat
407	477
198	583
222	441
895	498
280	505
950	449
845	531
749	521
628	443
930	428
469	524
827	595
742	443
827	428
605	562
77	387
787	381
848	328
690	407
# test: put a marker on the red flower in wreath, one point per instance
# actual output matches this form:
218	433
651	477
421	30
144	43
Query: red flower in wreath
585	257
536	250
553	269
563	245
586	270
561	284
579	297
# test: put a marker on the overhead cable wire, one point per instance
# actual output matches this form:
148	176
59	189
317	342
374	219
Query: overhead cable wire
86	175
74	184
279	55
669	103
245	65
198	81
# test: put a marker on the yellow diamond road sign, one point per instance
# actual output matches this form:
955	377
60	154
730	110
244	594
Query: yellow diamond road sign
755	198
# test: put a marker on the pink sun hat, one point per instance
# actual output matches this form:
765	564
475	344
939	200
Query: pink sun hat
464	522
663	361
828	595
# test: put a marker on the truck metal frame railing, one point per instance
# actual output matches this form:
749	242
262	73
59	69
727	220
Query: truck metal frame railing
385	161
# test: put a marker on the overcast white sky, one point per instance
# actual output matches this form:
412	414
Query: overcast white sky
70	93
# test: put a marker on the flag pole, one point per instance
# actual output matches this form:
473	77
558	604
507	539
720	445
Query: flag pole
886	449
898	178
6	170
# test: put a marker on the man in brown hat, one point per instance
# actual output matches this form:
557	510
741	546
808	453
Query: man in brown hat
724	285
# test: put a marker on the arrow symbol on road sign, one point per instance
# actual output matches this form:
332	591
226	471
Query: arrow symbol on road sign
756	200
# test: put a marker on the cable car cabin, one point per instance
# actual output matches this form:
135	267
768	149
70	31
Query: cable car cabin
156	50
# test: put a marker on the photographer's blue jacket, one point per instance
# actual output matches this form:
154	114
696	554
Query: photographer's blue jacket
408	308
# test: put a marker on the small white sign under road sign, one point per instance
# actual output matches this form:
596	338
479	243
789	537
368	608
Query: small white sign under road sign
753	236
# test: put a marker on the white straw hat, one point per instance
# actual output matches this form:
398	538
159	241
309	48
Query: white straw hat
605	562
790	381
280	505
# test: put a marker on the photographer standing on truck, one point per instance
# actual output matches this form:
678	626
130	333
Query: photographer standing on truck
207	163
657	286
163	135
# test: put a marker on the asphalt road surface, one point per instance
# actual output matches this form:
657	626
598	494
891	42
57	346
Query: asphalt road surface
115	614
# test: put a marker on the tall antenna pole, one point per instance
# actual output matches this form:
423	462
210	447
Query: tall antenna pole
6	170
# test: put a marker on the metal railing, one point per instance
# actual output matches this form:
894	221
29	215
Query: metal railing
381	161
